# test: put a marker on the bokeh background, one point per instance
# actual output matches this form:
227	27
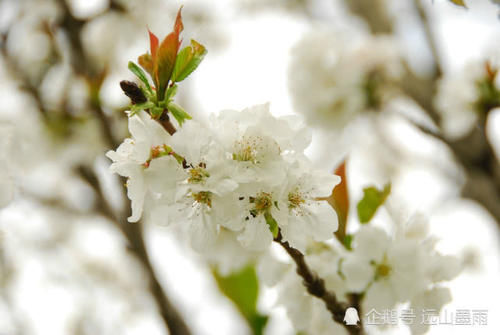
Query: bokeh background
68	265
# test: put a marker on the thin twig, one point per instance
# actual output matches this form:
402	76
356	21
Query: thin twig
316	287
430	37
374	12
474	151
166	123
132	232
135	239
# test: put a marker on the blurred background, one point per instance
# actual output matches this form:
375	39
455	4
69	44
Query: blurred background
69	261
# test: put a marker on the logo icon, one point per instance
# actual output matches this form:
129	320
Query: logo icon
351	317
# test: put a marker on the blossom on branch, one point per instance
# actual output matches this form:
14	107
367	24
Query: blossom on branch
245	172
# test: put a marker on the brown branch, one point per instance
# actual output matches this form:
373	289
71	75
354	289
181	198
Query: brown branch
374	12
166	123
473	152
377	17
134	235
429	35
423	89
133	232
316	287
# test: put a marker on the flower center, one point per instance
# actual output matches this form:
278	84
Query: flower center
203	197
247	149
244	152
263	202
197	175
295	199
382	270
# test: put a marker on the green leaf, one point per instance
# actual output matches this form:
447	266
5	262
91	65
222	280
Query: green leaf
348	241
156	112
242	288
188	60
140	74
460	3
273	225
139	107
178	113
171	92
372	200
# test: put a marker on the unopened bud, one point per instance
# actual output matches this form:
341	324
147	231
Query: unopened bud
133	91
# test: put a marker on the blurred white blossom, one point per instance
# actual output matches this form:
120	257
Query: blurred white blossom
397	268
387	269
333	78
467	95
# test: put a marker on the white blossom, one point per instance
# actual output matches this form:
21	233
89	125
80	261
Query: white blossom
274	188
333	78
398	268
307	313
459	97
308	217
245	172
388	269
203	186
255	142
133	156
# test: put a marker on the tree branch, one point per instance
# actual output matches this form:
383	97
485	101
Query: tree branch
374	12
474	151
134	235
132	232
429	35
316	287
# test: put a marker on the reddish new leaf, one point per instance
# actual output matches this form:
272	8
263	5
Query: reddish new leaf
340	201
165	57
153	44
146	62
178	26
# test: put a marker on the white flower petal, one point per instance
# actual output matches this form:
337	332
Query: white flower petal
203	232
256	235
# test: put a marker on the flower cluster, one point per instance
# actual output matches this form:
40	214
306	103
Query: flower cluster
398	267
244	172
333	80
242	179
386	269
467	96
